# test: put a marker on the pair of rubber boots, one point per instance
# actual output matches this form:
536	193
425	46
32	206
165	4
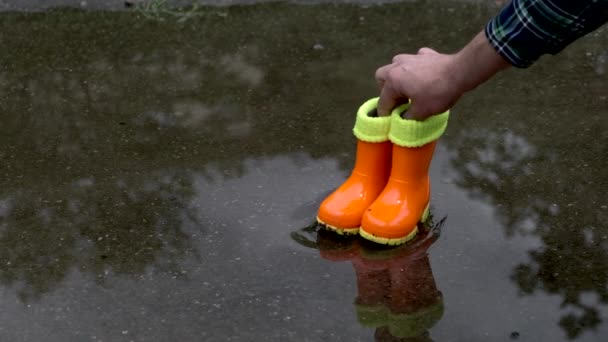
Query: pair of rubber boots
388	191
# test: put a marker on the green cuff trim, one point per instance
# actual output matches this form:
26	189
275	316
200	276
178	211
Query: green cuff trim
373	316
414	324
368	128
402	325
414	133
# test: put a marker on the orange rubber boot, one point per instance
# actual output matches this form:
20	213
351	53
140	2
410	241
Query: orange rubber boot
393	218
342	210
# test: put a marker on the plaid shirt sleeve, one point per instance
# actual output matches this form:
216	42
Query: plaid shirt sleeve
526	29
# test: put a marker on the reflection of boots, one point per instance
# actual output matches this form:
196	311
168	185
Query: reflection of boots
393	217
416	303
396	291
373	287
384	335
342	210
336	248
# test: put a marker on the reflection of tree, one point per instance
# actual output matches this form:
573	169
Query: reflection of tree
98	110
546	178
113	225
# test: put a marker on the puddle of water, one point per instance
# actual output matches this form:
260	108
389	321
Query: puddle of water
154	172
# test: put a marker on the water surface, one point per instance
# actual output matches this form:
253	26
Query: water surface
155	171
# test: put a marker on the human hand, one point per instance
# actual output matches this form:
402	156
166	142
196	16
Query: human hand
429	79
434	81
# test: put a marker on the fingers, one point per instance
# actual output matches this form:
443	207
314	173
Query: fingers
413	77
387	101
398	58
402	58
382	75
394	81
427	51
391	94
415	112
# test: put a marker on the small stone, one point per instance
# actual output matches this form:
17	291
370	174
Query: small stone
318	46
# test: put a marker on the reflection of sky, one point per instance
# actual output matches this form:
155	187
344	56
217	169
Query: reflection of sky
253	281
4	207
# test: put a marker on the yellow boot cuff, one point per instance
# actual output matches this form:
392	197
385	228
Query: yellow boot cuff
371	129
414	133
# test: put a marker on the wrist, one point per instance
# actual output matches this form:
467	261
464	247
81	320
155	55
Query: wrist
459	73
477	62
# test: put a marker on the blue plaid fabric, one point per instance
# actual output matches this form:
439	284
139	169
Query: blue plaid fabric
526	29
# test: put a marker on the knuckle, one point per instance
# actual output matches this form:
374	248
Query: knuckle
394	79
394	74
378	74
427	51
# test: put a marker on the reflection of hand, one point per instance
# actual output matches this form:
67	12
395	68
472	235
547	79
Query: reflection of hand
434	81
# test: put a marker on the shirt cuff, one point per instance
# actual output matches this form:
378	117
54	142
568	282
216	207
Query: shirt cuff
507	33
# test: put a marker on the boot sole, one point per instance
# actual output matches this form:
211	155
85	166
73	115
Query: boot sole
338	230
394	241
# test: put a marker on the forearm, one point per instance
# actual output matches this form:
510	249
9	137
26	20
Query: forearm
477	62
522	32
